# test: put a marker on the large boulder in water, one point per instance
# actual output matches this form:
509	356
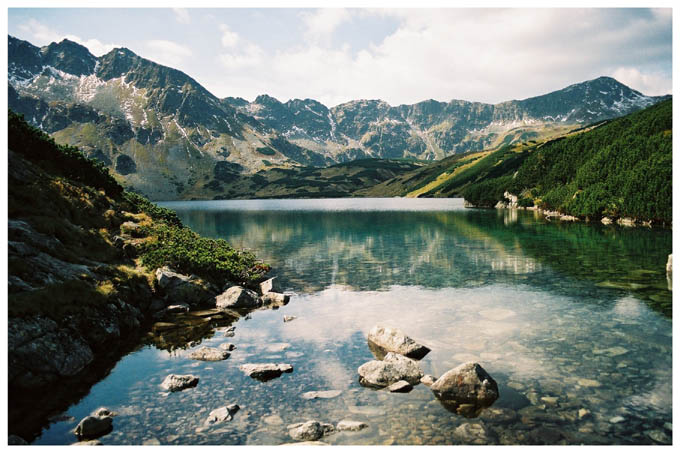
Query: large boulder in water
382	340
394	368
238	297
93	426
466	389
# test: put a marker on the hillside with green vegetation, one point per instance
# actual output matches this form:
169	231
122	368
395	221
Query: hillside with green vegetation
348	179
620	169
82	282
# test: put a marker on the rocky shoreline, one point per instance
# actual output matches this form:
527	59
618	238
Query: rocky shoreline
512	202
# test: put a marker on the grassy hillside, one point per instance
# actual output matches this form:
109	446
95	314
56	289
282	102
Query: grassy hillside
620	169
340	180
67	217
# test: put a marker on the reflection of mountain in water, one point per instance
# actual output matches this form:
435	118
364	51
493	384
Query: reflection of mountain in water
312	250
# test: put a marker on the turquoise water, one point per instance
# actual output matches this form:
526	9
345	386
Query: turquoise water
573	321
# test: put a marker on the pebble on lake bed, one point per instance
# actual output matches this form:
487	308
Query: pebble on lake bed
265	371
350	425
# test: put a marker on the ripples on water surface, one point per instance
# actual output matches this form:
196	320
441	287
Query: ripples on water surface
567	318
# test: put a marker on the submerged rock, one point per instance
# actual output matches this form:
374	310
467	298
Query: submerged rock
321	394
289	318
350	425
209	354
389	339
266	371
466	389
177	382
237	297
222	414
472	434
87	443
93	426
309	430
395	367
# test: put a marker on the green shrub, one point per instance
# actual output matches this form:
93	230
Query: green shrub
188	253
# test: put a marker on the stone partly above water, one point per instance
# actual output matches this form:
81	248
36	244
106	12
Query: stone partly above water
466	389
177	382
237	297
209	354
394	368
94	426
265	371
400	387
389	339
310	430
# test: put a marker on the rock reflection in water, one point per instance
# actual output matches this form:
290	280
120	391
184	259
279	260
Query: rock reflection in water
185	330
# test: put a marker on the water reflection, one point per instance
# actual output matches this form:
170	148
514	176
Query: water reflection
323	245
575	363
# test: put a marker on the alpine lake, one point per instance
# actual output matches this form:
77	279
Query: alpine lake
572	320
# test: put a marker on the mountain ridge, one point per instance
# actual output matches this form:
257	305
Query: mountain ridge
164	134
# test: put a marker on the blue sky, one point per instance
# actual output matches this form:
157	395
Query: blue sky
398	55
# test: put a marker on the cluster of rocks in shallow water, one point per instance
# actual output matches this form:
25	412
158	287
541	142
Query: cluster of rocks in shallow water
466	389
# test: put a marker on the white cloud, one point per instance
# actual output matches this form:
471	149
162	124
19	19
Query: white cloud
165	52
40	34
653	84
229	38
321	23
488	55
182	15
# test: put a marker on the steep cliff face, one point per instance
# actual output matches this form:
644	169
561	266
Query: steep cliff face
164	134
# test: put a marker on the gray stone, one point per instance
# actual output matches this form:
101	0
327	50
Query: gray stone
92	427
616	419
103	412
230	332
400	387
176	382
40	353
183	289
395	367
659	436
222	414
321	394
289	318
209	354
469	384
265	371
350	425
275	299
269	286
471	434
310	430
390	339
237	297
227	346
428	380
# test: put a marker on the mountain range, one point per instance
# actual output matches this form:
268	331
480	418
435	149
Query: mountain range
163	134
